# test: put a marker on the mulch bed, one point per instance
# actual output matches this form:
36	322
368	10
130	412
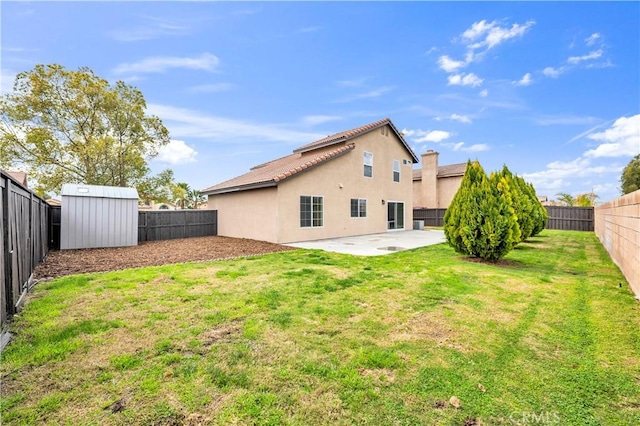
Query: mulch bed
150	253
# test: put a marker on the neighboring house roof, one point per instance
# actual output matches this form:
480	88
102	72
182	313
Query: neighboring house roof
20	177
269	174
450	170
54	202
79	190
350	134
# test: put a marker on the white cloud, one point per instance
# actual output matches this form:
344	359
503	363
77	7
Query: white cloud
152	28
159	64
187	123
484	93
476	147
358	82
450	65
557	172
314	120
524	81
421	136
176	152
552	72
375	93
464	80
620	140
477	29
460	146
590	41
211	88
491	34
434	136
592	55
456	117
565	120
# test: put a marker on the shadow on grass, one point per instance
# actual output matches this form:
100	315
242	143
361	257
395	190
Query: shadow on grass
501	263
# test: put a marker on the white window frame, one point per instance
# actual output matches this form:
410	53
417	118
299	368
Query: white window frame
396	163
360	211
312	220
368	163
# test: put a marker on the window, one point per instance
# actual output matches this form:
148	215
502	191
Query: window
396	170
368	164
358	207
311	211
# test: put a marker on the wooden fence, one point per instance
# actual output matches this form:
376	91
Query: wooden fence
431	217
561	218
24	241
170	224
570	218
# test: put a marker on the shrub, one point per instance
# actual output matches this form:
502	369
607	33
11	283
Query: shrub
539	212
481	221
521	203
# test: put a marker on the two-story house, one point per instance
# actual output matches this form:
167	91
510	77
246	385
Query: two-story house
355	182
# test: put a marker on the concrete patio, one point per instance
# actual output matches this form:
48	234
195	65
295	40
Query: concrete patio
376	244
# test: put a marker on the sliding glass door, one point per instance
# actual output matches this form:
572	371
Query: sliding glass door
395	215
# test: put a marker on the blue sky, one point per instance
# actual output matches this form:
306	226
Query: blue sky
552	90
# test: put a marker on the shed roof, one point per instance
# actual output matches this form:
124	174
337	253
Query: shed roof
95	191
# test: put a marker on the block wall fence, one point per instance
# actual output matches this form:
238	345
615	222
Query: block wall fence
617	225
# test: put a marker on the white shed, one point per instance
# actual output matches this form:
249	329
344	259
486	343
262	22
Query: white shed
98	216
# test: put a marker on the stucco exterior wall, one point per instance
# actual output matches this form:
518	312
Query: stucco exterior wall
447	188
342	179
418	198
247	214
617	225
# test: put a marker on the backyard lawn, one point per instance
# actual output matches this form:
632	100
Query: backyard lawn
550	335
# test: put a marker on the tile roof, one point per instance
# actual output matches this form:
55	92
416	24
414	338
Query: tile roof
449	170
269	174
350	134
452	170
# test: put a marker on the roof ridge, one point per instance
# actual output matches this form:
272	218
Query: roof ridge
342	136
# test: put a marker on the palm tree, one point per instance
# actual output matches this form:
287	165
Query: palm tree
180	193
566	198
195	198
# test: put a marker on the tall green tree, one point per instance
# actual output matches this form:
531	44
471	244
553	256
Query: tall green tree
539	212
630	179
75	127
585	200
181	194
480	220
520	202
195	199
566	198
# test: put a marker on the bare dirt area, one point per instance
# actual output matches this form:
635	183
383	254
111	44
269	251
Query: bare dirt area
151	253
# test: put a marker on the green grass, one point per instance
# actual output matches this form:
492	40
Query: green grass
309	337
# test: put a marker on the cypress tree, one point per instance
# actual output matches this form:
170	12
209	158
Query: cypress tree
481	221
539	214
521	204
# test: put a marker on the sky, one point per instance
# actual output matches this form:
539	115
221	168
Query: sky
551	89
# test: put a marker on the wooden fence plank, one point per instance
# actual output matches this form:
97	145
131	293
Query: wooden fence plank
561	218
24	243
172	224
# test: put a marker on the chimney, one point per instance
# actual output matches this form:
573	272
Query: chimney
430	179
